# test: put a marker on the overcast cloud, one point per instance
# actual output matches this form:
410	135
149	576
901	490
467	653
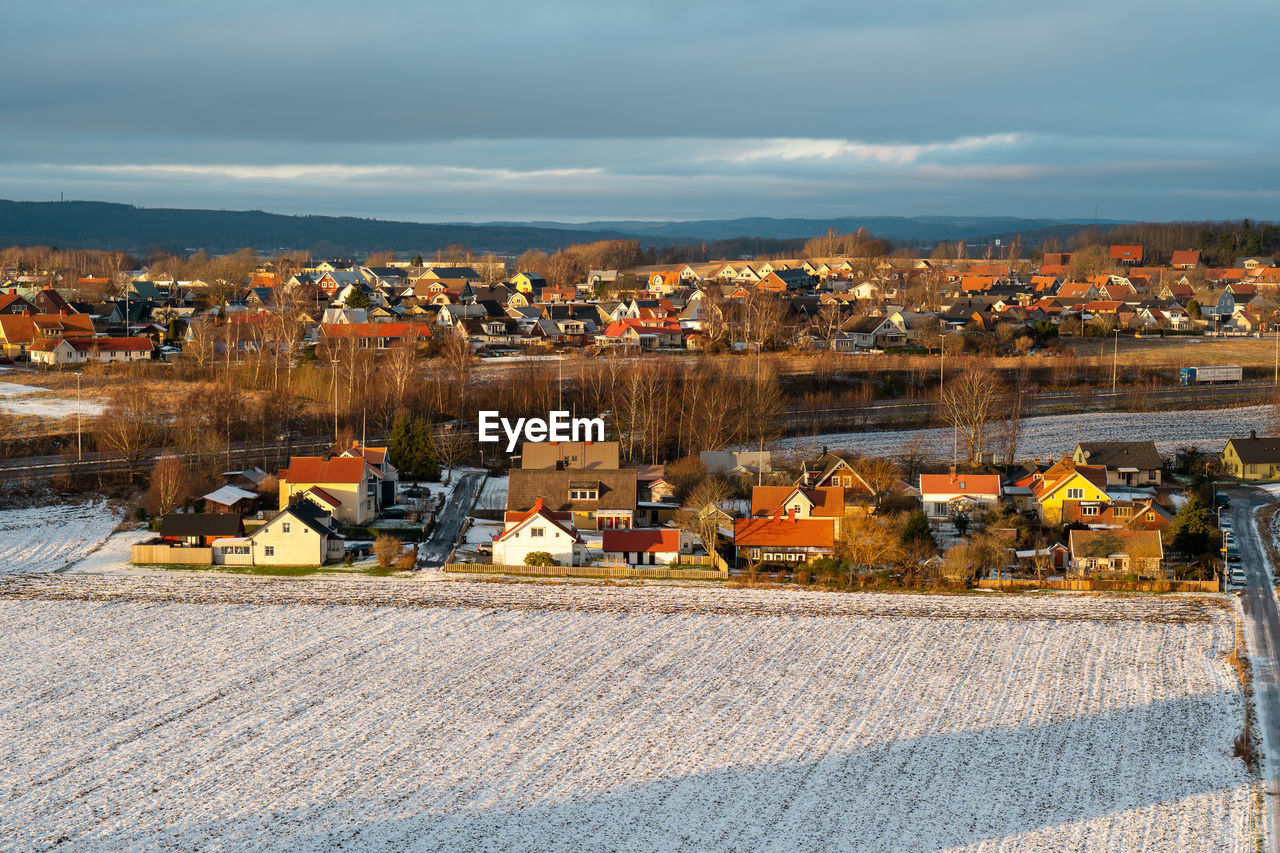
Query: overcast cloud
660	110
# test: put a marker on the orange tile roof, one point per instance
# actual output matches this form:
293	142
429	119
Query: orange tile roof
784	532
828	501
969	484
317	469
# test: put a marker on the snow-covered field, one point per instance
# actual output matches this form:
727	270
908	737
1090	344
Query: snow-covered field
51	538
37	402
1056	436
523	717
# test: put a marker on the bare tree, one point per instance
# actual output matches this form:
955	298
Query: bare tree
697	520
969	403
865	543
128	427
170	486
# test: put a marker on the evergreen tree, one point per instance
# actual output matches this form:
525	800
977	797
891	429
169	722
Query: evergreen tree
917	529
1189	532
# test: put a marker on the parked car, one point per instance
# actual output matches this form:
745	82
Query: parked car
1237	576
1224	524
1233	555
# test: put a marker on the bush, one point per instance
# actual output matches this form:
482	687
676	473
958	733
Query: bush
539	558
408	560
387	549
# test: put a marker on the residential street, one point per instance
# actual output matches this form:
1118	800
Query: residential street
435	551
1262	632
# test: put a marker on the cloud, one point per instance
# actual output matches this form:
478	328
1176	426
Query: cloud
898	154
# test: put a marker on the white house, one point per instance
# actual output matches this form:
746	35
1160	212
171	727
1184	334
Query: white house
539	529
944	494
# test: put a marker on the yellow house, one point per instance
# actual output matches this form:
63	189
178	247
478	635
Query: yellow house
1252	458
528	282
347	487
1067	481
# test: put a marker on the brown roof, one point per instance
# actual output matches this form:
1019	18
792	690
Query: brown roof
1122	454
1103	543
526	485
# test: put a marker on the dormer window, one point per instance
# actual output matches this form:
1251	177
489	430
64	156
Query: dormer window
584	491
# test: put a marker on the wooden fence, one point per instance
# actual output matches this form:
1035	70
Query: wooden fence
665	573
146	554
1101	585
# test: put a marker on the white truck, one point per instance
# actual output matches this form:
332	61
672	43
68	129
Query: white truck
1210	375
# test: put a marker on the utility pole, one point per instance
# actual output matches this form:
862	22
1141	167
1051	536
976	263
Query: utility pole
79	446
335	400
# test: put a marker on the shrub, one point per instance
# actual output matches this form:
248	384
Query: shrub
539	558
804	577
408	560
387	549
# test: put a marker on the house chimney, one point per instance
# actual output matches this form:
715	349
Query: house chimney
791	514
537	505
1253	433
953	472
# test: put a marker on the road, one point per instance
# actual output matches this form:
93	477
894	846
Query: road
1262	633
435	551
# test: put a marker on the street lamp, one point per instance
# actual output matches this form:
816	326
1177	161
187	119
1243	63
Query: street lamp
79	445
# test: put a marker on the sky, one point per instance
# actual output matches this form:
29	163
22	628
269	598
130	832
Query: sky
661	110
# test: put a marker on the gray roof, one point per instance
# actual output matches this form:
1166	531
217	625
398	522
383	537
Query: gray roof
1257	451
200	524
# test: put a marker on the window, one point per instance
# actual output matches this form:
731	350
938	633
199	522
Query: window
1090	509
284	528
269	551
1075	494
1151	475
537	532
1151	516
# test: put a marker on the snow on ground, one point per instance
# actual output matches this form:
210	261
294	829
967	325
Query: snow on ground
1055	436
50	538
29	400
598	718
115	556
493	495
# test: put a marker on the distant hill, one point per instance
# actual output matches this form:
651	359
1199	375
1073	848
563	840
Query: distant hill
900	229
105	225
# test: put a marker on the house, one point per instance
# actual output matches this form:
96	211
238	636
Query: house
1103	553
528	282
539	529
1127	254
580	455
1185	259
1252	458
198	529
825	502
832	470
749	462
782	540
646	546
1134	515
1067	480
301	534
944	495
64	351
1128	463
231	499
347	487
378	458
596	498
